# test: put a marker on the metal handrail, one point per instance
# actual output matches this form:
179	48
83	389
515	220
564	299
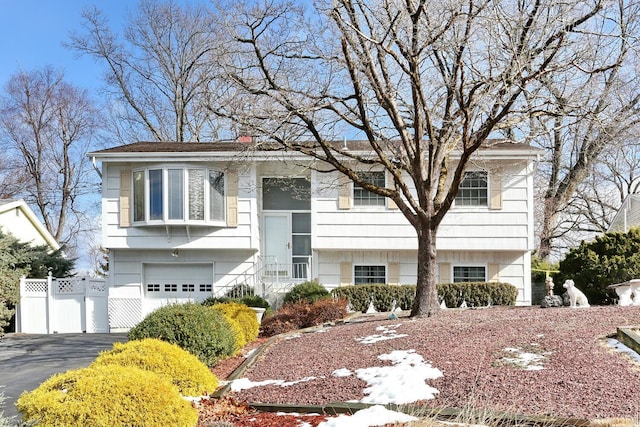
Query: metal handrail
268	273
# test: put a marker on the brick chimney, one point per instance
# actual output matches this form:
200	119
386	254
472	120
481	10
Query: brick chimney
246	139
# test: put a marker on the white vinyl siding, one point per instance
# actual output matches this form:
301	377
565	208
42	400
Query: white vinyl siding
237	230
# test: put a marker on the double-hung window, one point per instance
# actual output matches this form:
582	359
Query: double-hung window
364	197
178	195
473	190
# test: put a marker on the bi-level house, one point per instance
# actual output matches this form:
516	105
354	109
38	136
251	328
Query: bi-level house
188	220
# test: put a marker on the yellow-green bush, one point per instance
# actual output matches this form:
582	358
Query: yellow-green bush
180	367
106	396
244	316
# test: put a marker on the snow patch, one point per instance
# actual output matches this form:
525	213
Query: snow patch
376	415
404	382
387	333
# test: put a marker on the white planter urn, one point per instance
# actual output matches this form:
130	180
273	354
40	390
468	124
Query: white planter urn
259	313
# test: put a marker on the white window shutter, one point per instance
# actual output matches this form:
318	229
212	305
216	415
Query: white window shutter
125	198
394	273
494	272
345	274
232	199
495	184
344	192
444	268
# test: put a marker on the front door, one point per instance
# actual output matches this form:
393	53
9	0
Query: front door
277	243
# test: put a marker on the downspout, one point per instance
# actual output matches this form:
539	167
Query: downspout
95	166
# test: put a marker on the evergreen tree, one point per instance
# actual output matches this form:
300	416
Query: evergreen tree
610	258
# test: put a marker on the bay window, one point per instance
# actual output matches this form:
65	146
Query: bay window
178	196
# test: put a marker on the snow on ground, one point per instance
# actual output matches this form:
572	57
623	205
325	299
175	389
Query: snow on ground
526	360
246	383
377	414
403	382
387	332
618	346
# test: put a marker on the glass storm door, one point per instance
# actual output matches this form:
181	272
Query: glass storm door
277	245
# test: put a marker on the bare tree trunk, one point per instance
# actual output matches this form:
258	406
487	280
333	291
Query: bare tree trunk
426	301
549	219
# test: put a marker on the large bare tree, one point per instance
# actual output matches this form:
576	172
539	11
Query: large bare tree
582	116
46	127
159	73
416	79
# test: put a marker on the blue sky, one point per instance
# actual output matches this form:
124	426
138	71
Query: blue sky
32	32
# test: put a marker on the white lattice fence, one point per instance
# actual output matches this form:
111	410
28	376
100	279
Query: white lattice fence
124	313
62	305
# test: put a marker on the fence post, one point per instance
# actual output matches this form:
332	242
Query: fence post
19	310
50	304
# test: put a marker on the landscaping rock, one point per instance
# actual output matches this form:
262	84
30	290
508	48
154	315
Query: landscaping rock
552	301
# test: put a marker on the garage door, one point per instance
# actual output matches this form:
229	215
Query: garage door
166	284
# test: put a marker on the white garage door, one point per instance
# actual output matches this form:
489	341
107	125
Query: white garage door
165	284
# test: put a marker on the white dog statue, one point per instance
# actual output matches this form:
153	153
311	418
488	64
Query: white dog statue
576	297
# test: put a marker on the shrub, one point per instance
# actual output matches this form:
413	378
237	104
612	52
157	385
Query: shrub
248	300
245	316
478	294
610	258
302	314
106	396
180	367
308	291
203	332
4	422
382	296
255	301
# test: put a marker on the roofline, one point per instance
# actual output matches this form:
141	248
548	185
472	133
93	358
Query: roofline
521	151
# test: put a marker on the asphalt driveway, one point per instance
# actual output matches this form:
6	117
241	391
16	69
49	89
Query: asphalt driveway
26	360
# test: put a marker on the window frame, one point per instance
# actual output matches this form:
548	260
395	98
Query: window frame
376	282
468	266
358	193
473	201
169	195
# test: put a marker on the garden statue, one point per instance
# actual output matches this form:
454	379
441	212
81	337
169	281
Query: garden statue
576	297
549	284
392	315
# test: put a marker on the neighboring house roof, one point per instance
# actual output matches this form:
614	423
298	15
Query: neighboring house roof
17	218
628	215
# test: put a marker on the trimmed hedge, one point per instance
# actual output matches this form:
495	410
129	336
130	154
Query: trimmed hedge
476	294
105	396
201	331
382	296
180	367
